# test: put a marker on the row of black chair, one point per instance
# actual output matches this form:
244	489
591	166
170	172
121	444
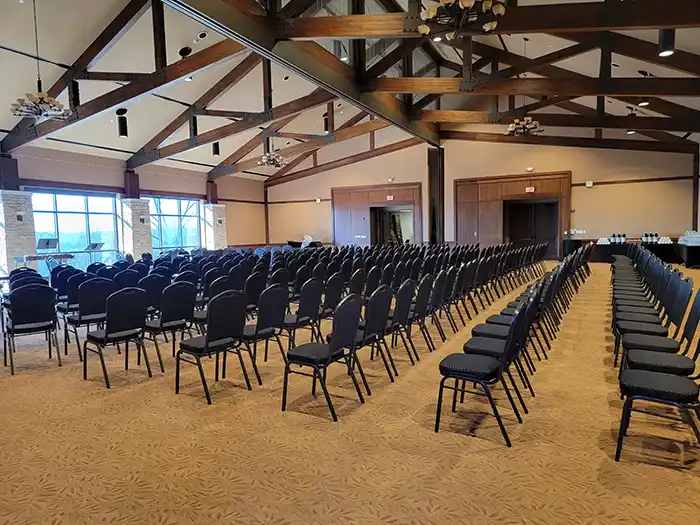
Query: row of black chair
649	299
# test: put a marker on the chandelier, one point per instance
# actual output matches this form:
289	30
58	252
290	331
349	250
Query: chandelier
455	17
273	160
525	126
39	105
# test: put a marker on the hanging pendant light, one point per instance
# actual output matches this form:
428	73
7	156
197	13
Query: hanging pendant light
216	149
122	124
39	105
667	42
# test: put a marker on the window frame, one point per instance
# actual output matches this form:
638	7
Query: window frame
184	212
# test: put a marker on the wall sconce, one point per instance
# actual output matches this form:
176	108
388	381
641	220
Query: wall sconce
529	169
220	222
318	200
142	219
20	217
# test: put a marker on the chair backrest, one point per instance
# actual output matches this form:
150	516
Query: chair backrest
280	276
226	314
450	279
404	297
425	288
126	310
33	303
73	284
676	312
334	291
345	323
163	270
218	285
438	289
94	267
374	276
177	302
54	272
121	265
377	311
310	299
62	279
93	294
272	307
237	276
141	268
691	324
108	272
357	282
154	284
254	286
387	274
186	277
127	279
319	272
303	274
209	277
27	278
15	273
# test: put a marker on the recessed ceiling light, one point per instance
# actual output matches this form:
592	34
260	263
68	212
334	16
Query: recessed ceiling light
344	59
286	77
340	104
643	103
437	39
288	142
188	79
614	64
631	132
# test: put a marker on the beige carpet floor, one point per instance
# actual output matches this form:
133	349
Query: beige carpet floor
73	452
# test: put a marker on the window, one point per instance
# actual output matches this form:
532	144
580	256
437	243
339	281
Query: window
76	221
175	224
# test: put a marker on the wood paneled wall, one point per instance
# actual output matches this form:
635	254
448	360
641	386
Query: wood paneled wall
479	203
350	208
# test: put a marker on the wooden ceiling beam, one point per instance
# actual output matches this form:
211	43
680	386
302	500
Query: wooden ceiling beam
574	142
110	76
561	120
229	80
199	61
233	19
392	57
316	98
636	87
550	18
345	161
117	28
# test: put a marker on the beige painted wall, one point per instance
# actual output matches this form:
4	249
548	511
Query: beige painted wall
290	222
240	189
245	223
293	220
664	207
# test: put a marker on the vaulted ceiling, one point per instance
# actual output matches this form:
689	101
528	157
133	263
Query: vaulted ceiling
67	28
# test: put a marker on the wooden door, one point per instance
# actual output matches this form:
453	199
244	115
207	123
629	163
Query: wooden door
546	226
467	222
520	223
490	222
342	218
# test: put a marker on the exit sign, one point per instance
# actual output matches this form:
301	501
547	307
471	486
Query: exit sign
530	189
390	197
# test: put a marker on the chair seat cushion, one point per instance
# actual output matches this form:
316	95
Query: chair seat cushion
294	321
65	307
628	301
625	327
503	320
514	304
472	366
249	332
490	330
196	345
100	336
646	310
157	326
77	320
651	342
510	312
200	316
638	318
28	328
485	346
665	387
311	354
675	364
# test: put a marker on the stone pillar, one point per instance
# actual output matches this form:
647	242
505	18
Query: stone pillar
136	227
17	233
215	226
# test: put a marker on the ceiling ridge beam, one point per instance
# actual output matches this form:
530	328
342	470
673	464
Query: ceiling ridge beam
345	161
315	98
308	59
230	79
199	61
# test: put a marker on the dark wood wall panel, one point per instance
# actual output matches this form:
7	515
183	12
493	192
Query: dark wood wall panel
350	210
479	203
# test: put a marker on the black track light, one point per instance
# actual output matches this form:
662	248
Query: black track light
216	149
122	124
667	42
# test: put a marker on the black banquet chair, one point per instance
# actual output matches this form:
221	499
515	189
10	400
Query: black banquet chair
92	308
124	323
176	310
32	312
226	314
320	356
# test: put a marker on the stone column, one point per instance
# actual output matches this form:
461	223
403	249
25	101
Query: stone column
136	227
214	225
17	233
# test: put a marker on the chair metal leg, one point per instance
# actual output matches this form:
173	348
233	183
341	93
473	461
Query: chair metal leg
624	424
351	373
243	367
454	395
405	345
511	401
517	391
177	373
255	366
204	379
313	384
356	361
487	390
380	351
104	366
284	387
160	358
322	380
267	344
439	404
388	353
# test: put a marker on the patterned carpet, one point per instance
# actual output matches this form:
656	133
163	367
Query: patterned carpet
73	452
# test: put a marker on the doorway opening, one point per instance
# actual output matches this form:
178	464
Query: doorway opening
391	225
527	222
